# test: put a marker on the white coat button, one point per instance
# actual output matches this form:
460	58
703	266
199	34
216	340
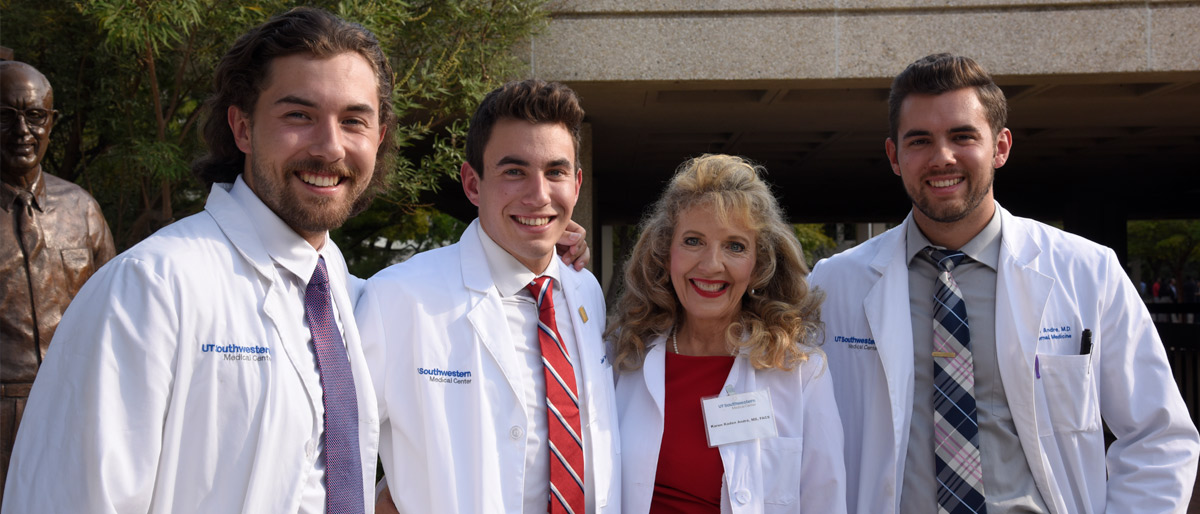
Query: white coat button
742	497
515	432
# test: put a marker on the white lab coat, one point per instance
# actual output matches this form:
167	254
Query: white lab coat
459	445
1050	286
800	470
130	414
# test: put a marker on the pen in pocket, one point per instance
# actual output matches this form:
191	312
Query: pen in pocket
1085	346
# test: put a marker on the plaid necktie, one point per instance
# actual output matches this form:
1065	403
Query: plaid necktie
955	426
343	464
562	407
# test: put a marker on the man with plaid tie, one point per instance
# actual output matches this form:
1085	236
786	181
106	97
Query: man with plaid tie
975	354
495	395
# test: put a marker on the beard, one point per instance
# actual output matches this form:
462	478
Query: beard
950	212
308	215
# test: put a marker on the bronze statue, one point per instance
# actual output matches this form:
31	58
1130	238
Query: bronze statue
52	239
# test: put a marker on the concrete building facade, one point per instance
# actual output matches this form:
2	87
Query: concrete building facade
1104	98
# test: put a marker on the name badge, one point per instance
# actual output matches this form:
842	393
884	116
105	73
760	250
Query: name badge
734	418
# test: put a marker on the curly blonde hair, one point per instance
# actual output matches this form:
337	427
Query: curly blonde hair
780	317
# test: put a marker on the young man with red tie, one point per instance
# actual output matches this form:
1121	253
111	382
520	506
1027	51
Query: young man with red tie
494	392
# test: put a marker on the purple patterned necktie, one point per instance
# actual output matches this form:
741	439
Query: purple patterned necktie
343	463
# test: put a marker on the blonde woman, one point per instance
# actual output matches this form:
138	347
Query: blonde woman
715	305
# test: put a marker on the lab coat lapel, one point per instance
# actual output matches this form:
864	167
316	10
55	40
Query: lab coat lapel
1022	294
655	370
886	307
742	460
486	314
591	349
230	217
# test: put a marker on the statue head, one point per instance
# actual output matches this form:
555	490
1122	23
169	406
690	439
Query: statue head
26	116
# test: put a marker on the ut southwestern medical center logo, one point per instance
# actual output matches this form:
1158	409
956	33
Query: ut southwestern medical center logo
446	376
741	404
856	343
233	352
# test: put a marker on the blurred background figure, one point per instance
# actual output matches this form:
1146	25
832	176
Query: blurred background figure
1188	295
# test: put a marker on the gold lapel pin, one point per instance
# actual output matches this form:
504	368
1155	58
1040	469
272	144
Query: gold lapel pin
583	314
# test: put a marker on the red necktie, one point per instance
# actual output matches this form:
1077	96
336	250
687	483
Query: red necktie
562	407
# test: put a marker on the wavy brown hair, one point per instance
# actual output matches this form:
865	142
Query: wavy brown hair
779	321
242	74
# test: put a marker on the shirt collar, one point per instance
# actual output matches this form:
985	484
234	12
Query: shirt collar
8	194
509	275
284	245
983	248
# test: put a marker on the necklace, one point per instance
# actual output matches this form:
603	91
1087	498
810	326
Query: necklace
675	344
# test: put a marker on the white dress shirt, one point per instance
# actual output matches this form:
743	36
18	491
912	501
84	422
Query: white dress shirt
520	307
295	260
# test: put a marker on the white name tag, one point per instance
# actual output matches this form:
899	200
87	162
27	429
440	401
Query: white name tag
734	418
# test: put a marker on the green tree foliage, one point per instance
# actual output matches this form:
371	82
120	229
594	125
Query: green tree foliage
447	55
396	235
130	77
815	241
1167	247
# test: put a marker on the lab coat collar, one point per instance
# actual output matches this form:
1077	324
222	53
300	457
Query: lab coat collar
477	276
984	248
1015	239
1022	291
509	275
486	313
741	375
236	223
283	244
230	217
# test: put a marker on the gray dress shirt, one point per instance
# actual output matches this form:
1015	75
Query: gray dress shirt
1008	484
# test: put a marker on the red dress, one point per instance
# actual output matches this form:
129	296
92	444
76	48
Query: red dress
688	477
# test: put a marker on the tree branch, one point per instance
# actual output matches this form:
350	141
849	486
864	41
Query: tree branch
158	112
176	90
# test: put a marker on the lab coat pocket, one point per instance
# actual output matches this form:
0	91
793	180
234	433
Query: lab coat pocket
781	470
1069	389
